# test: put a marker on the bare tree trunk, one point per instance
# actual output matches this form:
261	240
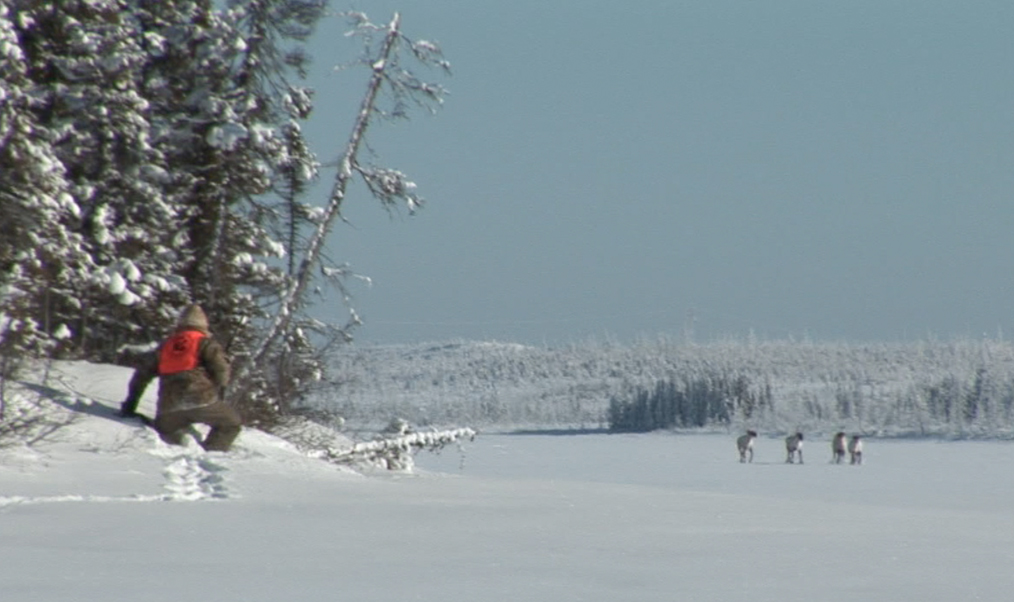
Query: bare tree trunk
294	296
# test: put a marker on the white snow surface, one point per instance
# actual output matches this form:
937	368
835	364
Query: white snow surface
103	510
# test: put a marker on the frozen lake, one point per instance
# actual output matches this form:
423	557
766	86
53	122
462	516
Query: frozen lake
667	517
903	473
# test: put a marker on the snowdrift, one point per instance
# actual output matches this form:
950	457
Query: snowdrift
65	416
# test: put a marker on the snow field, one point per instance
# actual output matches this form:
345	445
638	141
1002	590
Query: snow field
106	511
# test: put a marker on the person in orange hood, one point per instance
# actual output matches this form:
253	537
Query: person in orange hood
193	371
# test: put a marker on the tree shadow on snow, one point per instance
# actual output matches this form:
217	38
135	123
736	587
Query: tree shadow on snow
78	404
34	425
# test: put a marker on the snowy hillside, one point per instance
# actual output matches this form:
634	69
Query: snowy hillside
70	424
66	407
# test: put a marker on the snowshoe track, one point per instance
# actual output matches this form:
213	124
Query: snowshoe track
190	478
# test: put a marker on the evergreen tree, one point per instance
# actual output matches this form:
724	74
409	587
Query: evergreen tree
151	155
42	254
112	273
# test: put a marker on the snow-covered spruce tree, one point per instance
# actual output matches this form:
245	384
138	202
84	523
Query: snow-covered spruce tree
217	149
18	332
112	258
118	177
281	217
42	259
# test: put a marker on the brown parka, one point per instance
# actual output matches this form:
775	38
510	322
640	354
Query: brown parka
191	396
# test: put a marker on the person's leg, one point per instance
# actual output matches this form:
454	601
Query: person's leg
225	423
172	426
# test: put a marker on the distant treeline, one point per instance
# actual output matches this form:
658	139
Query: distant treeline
957	388
687	403
982	406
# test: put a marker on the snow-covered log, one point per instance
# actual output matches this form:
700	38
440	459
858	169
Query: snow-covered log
395	453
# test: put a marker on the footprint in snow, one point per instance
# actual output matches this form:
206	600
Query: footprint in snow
191	478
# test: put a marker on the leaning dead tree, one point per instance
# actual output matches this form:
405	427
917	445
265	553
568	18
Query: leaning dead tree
383	56
395	452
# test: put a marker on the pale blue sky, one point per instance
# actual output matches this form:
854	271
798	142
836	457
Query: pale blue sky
831	170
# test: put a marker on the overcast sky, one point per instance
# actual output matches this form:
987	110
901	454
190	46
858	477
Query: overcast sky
830	170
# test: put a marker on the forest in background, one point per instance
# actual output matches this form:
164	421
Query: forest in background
959	388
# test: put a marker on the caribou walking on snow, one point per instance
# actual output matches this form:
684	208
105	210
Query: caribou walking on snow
794	447
745	445
838	444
